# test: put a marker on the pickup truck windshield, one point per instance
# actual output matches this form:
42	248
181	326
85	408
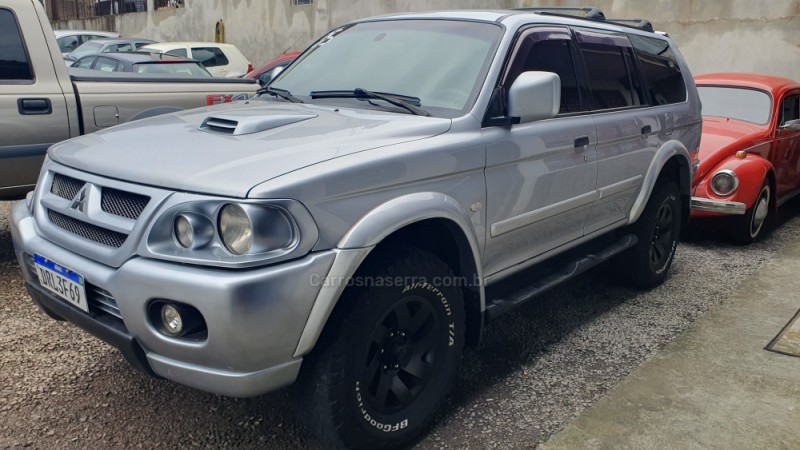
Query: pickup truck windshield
744	104
441	62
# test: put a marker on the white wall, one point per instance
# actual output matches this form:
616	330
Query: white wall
714	35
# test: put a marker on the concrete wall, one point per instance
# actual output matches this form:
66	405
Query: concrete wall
714	35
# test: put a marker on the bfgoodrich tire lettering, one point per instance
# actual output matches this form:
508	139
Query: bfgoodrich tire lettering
387	357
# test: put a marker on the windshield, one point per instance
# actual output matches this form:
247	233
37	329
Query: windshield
441	62
744	104
88	48
188	69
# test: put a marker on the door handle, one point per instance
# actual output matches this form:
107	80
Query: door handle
581	143
647	129
34	106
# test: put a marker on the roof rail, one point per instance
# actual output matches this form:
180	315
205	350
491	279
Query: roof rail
590	12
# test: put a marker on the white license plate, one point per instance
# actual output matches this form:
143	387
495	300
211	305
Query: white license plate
62	281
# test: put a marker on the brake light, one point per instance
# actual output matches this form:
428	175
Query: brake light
249	68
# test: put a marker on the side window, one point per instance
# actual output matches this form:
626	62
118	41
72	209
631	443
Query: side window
14	63
661	72
140	44
124	48
84	63
67	44
612	76
177	52
791	109
548	49
105	65
210	56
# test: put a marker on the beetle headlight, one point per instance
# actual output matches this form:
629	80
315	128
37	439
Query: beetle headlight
208	231
724	183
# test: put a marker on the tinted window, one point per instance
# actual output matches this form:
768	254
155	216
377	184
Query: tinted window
613	79
661	72
748	105
84	63
105	65
68	43
177	52
210	56
13	60
549	50
791	109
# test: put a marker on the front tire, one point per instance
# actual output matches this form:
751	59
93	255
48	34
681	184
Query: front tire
752	225
388	356
645	265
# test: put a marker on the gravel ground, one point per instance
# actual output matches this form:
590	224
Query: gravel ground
537	369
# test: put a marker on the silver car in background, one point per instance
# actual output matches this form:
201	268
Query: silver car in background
350	230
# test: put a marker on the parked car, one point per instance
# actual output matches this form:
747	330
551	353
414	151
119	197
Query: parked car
140	62
107	46
356	225
42	103
222	60
749	152
271	69
69	40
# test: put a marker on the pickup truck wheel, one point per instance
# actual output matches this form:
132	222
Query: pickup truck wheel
389	358
750	227
645	265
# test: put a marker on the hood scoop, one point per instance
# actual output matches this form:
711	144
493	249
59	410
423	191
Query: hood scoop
237	125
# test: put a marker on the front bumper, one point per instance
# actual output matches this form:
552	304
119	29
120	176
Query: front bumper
718	206
254	317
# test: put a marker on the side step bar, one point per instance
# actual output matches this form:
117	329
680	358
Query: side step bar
571	269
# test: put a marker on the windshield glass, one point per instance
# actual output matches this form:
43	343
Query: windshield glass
88	48
441	62
744	104
187	69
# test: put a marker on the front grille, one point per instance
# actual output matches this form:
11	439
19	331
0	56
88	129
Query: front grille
124	204
66	187
86	230
100	301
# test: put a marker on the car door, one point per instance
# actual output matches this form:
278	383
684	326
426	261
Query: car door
33	111
541	175
786	150
627	129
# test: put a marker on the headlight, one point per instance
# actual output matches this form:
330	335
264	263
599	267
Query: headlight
235	229
218	232
724	183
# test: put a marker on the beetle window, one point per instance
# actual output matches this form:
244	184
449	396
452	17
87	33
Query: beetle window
613	79
13	59
791	109
749	105
548	50
660	69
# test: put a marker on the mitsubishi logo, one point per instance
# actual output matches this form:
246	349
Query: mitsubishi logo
79	201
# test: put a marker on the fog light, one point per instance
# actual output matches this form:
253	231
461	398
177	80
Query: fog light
172	320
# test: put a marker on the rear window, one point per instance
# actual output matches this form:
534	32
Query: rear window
177	52
209	56
660	69
14	65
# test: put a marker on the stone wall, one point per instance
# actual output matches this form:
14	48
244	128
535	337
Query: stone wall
714	35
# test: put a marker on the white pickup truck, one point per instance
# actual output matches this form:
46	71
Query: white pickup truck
42	102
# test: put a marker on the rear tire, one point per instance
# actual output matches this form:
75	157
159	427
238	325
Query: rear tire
645	265
388	356
752	225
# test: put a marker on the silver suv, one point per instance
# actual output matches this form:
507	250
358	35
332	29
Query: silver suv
354	227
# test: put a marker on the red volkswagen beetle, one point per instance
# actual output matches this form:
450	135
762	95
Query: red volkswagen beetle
749	151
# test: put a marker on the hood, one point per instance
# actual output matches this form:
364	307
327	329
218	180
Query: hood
229	149
722	137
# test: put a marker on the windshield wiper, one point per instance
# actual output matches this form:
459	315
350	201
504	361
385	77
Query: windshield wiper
410	104
282	93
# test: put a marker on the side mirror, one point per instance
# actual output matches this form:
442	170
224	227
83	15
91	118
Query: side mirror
267	77
791	125
535	96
